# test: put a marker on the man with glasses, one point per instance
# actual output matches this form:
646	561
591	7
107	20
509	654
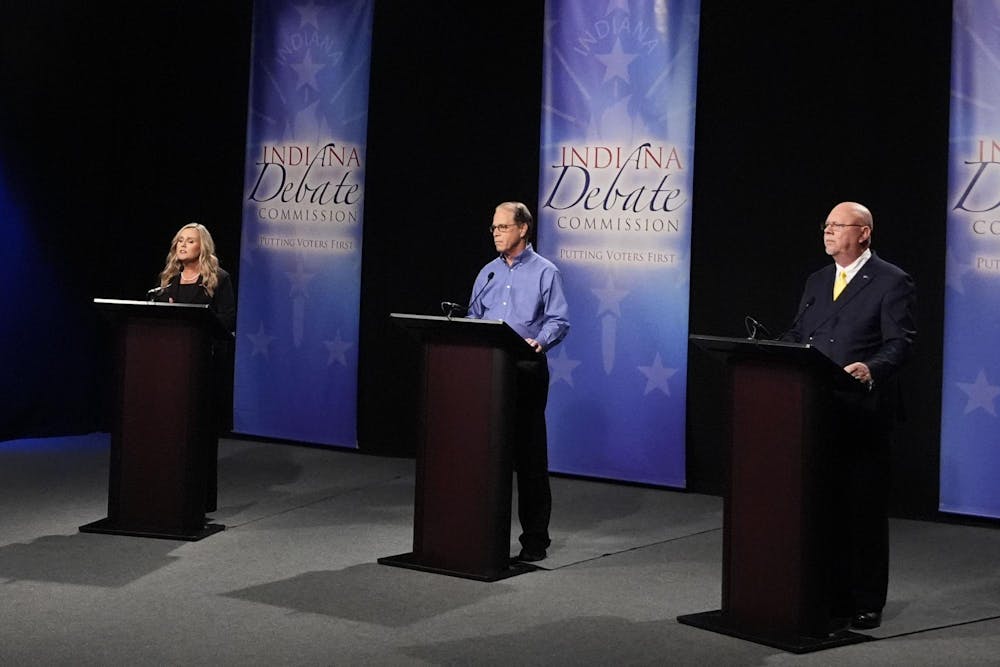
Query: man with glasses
860	312
524	289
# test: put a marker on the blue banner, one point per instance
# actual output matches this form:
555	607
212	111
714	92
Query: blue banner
970	429
300	262
615	216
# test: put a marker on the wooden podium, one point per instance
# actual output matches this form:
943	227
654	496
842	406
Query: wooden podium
778	549
462	508
163	421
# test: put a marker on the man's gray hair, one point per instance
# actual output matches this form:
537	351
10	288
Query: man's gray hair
522	215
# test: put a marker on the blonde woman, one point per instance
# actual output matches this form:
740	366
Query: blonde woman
192	274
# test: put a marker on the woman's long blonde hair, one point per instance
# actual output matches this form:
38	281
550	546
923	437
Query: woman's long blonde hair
208	263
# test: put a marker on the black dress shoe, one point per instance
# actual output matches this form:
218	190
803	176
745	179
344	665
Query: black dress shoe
529	556
866	620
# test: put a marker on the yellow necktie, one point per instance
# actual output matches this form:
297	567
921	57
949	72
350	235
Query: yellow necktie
839	284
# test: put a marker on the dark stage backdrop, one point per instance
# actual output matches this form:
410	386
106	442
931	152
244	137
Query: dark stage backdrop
121	122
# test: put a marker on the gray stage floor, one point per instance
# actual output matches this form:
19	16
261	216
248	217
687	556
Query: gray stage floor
293	579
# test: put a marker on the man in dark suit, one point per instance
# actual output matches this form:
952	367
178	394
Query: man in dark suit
860	312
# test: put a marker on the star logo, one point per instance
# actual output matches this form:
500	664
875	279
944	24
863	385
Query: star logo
561	368
306	71
337	349
260	341
657	376
308	14
610	298
981	394
616	62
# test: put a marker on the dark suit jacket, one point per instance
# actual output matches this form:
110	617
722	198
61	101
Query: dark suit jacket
873	321
222	302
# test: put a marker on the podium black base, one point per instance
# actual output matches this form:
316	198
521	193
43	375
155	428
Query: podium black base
411	562
187	534
714	621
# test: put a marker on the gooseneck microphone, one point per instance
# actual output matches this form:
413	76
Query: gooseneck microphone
449	308
489	277
798	317
156	291
752	326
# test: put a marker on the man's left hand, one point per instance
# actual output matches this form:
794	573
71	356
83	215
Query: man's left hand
859	371
535	345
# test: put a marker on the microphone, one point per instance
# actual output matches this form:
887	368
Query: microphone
752	325
155	291
489	277
798	317
449	308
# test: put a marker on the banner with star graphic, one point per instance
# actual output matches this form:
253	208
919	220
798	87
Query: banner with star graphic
615	216
300	262
970	428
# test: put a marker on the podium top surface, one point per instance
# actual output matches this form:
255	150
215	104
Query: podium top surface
192	312
724	343
802	355
464	331
120	304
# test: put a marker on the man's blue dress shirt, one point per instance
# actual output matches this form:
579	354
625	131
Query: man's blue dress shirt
527	295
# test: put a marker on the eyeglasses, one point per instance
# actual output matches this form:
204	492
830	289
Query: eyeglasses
503	228
837	225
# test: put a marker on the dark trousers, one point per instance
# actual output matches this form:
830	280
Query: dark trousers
531	455
862	513
867	510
